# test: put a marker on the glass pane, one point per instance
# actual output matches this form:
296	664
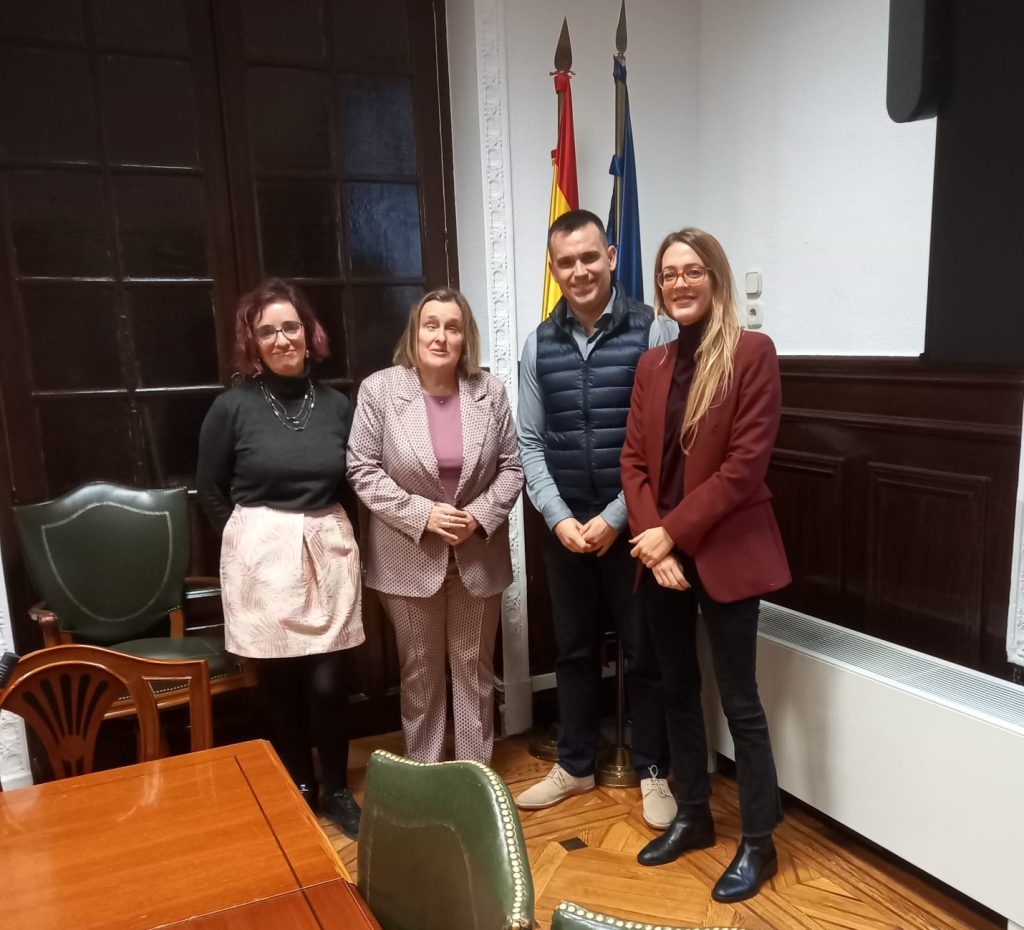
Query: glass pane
72	335
380	317
162	226
42	19
170	426
299	228
378	136
85	439
59	221
289	118
150	111
328	305
47	109
142	25
284	29
371	32
384	230
174	335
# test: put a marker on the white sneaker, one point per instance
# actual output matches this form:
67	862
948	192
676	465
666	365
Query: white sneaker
659	805
554	787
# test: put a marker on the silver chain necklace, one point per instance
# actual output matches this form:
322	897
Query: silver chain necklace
298	422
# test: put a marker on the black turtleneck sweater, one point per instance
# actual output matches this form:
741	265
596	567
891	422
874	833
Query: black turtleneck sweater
673	462
248	456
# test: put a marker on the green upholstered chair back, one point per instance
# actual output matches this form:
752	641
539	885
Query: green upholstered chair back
441	848
570	916
110	561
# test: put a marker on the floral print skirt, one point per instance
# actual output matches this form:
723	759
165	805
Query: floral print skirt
290	583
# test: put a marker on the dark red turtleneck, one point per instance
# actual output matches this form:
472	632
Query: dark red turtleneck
673	462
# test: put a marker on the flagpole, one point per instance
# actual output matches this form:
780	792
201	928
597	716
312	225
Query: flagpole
620	114
564	192
624	208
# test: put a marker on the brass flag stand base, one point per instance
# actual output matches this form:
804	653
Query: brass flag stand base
615	767
615	770
544	743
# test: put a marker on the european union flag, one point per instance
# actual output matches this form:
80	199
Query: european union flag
624	216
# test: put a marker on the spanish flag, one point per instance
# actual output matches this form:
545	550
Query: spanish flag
564	190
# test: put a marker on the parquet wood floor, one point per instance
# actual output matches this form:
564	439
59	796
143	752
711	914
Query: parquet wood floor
827	880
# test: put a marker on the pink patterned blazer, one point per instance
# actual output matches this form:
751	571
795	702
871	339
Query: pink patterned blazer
393	469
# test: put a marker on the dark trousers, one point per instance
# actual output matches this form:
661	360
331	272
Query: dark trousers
590	594
308	707
732	632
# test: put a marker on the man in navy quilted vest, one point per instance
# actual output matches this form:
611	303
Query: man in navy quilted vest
575	383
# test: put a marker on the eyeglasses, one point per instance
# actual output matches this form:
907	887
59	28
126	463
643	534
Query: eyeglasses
268	333
691	274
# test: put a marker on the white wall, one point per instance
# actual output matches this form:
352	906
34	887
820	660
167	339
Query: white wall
661	63
803	175
469	212
14	763
778	143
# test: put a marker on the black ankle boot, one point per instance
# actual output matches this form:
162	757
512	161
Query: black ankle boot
692	828
341	808
754	863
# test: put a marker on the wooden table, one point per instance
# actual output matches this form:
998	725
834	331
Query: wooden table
213	840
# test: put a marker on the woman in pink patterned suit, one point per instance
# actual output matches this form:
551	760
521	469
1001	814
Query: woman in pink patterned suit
433	455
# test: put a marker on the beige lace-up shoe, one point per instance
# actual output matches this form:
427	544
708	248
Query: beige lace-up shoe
659	804
554	787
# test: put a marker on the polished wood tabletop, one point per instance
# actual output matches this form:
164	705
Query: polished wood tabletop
214	840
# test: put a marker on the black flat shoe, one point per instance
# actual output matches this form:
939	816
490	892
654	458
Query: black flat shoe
341	808
309	794
754	863
692	828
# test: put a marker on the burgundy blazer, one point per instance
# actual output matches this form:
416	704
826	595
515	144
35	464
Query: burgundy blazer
725	520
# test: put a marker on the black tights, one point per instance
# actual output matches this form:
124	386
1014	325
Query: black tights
308	706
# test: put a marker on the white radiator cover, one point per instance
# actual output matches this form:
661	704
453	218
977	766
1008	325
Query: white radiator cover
923	757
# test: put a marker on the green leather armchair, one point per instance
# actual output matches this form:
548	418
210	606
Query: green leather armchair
569	916
110	563
441	848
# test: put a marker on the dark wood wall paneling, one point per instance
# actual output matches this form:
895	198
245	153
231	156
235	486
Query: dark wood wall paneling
894	486
158	158
117	251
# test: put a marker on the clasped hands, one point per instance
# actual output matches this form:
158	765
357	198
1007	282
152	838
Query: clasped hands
596	535
653	548
451	524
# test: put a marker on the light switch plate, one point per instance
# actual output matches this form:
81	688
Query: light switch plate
752	283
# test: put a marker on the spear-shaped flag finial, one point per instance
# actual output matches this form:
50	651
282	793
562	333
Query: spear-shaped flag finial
624	215
564	188
563	51
620	31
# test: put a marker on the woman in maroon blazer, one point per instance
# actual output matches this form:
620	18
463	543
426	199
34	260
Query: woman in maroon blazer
702	422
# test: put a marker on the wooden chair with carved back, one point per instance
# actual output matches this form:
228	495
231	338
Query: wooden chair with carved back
64	693
110	562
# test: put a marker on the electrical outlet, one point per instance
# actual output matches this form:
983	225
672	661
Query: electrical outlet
753	317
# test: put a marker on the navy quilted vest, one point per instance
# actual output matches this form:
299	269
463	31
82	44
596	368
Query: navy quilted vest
586	402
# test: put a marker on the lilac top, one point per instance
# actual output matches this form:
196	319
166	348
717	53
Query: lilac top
444	418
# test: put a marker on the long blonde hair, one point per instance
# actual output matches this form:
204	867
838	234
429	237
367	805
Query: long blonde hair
714	359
